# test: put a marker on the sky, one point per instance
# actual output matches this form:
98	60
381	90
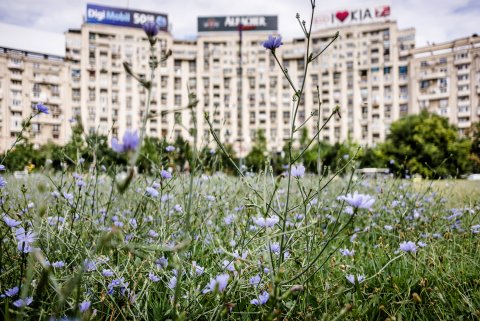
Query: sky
435	20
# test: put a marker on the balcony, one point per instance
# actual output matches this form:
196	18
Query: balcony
16	107
464	124
16	76
15	65
434	93
185	54
433	75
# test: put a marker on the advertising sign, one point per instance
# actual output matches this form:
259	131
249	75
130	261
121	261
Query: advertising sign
351	16
231	23
124	17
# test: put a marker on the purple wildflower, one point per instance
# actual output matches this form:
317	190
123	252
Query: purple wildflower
41	108
153	277
255	280
199	270
218	283
266	222
421	244
165	174
275	247
2	168
131	141
347	252
12	292
3	182
408	247
152	192
150	28
262	299
172	283
228	265
298	171
358	200
25	239
84	306
162	263
107	273
351	278
23	302
170	148
58	264
10	221
272	42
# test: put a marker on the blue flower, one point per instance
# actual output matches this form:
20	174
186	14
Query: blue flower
3	182
199	270
162	263
12	292
262	299
150	28
358	200
41	109
347	252
170	148
58	264
10	221
272	42
130	142
266	222
153	277
350	278
152	192
107	272
2	167
275	247
23	302
298	171
165	174
25	239
255	280
84	306
408	247
172	283
218	283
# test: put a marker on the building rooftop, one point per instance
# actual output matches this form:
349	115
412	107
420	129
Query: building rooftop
31	40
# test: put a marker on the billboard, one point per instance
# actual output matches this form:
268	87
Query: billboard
231	23
352	16
124	17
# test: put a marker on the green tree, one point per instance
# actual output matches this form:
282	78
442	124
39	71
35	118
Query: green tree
255	160
425	144
474	157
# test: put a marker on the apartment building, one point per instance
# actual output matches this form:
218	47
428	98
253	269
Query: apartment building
26	79
445	79
372	72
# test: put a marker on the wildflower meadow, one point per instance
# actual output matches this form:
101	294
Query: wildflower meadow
99	241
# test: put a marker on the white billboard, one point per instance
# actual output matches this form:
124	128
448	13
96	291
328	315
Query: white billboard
344	17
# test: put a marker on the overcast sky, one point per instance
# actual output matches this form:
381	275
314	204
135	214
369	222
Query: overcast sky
434	20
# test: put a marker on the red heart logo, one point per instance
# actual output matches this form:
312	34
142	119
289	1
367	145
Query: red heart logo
342	15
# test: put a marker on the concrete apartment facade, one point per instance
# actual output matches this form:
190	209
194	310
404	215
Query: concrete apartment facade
26	79
373	72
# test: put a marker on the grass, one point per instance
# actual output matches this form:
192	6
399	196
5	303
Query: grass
458	192
133	235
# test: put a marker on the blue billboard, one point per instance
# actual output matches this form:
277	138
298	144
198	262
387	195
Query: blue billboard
124	17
